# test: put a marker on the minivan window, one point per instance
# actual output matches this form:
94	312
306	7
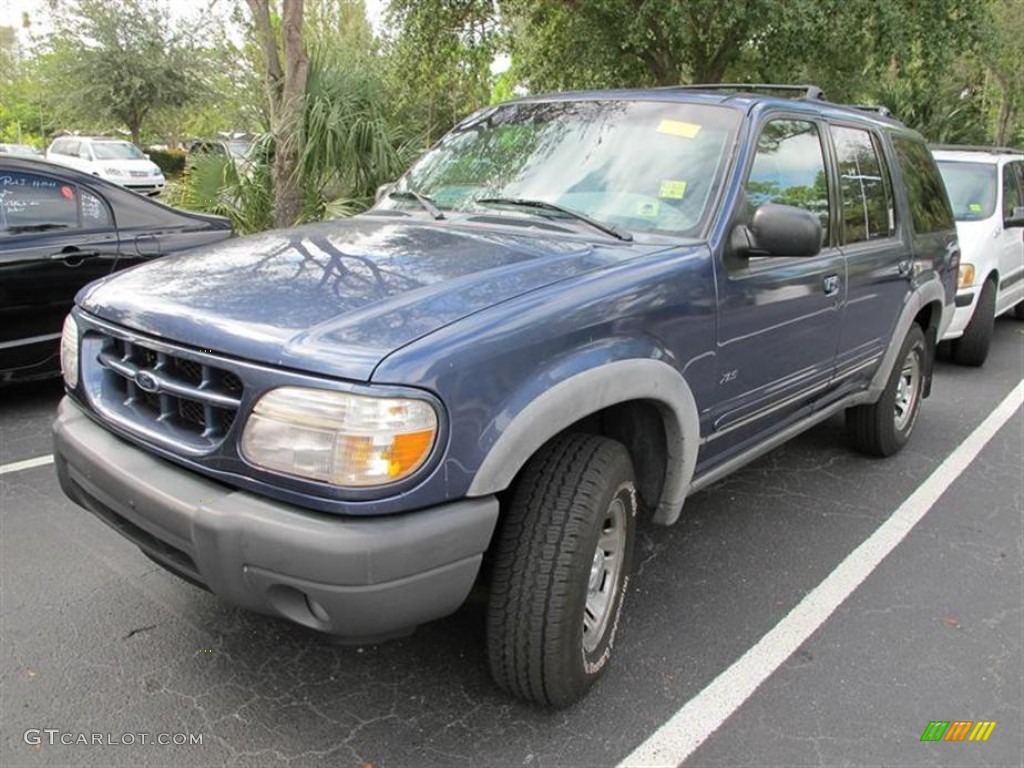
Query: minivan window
971	187
789	169
929	205
1013	196
863	183
116	150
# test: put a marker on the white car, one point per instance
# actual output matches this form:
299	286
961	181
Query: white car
117	161
986	188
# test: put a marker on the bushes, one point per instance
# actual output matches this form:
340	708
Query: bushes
170	161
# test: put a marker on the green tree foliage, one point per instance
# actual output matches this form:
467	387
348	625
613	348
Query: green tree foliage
120	61
439	58
1002	54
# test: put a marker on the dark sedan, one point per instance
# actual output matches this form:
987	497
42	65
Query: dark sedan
61	229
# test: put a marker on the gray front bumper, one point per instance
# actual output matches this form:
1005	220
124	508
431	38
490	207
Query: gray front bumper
357	577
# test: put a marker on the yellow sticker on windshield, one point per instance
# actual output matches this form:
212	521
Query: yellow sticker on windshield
672	189
974	208
649	210
679	128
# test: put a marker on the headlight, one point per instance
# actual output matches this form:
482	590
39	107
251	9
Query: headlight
113	172
338	437
69	352
966	279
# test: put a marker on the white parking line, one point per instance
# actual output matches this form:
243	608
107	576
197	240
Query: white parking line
702	715
18	466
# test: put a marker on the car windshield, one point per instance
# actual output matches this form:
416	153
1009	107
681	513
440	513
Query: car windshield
239	149
637	165
971	187
116	150
20	149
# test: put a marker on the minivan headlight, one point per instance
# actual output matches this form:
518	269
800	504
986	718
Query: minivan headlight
69	352
339	437
966	277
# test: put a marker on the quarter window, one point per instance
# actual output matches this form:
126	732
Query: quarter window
31	203
864	185
929	206
789	169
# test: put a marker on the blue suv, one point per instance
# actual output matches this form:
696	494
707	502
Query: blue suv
574	310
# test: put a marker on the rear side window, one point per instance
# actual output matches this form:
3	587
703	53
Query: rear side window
31	203
789	169
929	206
1013	195
864	184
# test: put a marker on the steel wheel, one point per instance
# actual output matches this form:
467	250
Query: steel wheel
908	390
604	575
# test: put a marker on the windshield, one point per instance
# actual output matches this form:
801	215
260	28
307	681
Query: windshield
642	166
116	150
239	149
971	187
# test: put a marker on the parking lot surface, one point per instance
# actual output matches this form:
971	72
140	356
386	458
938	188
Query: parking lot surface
97	640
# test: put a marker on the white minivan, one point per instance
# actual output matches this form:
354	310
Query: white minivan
986	188
112	159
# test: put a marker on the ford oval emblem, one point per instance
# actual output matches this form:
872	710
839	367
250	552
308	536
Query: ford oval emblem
146	381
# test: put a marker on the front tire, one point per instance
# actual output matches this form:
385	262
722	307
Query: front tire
883	428
972	348
561	570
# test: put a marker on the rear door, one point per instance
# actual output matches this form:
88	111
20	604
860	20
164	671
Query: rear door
877	253
55	236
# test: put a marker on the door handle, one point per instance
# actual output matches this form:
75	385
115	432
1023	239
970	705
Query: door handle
70	255
830	284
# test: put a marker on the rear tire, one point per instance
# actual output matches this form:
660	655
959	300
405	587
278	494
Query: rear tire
561	570
883	428
972	348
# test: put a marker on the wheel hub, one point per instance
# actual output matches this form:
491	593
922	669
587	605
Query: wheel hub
605	568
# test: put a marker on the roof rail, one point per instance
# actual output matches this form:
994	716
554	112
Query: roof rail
879	109
978	148
810	92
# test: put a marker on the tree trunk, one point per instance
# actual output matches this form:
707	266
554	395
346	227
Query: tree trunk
288	128
136	130
1005	111
286	91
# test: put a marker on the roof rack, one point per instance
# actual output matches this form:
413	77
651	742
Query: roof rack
810	92
978	148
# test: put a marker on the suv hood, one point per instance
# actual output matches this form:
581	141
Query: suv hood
335	298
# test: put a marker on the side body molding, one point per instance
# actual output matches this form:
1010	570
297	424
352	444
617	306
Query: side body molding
590	391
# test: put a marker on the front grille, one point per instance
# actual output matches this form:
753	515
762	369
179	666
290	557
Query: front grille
139	174
166	394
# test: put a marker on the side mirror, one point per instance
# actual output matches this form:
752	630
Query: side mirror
383	191
146	155
1016	219
778	230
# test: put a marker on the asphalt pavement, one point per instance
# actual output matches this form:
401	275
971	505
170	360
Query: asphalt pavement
98	643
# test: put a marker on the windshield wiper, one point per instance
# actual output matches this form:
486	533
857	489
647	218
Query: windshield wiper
426	202
609	229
